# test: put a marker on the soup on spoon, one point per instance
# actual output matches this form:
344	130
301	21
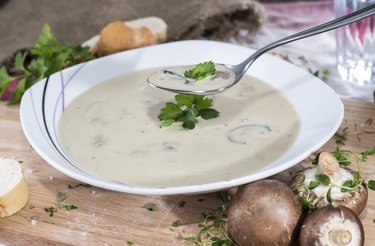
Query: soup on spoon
203	78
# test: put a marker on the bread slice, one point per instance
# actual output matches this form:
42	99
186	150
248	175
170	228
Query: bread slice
14	192
155	24
119	36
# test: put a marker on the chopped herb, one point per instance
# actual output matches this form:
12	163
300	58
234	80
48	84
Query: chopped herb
181	204
129	243
46	57
212	231
61	196
186	110
323	75
343	134
368	121
67	207
50	210
224	196
31	206
176	223
201	71
150	206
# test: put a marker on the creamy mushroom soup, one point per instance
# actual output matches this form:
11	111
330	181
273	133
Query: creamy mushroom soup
173	79
113	130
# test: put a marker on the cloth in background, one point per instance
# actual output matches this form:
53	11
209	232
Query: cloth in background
77	20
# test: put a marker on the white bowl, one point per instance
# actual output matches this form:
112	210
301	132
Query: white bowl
319	109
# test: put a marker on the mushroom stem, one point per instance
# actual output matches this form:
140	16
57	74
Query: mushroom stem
340	237
328	165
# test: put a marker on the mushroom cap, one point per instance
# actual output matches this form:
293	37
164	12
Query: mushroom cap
264	212
355	200
334	226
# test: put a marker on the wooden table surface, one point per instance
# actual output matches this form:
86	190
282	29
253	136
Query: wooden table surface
106	217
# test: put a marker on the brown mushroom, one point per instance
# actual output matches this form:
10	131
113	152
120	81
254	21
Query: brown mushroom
334	226
356	199
264	212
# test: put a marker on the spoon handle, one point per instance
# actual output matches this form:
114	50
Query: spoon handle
328	26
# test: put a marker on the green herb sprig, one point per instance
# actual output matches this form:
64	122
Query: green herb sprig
150	206
48	56
344	157
186	110
201	71
212	231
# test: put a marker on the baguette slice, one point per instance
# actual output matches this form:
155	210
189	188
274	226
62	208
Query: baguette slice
14	192
155	24
119	36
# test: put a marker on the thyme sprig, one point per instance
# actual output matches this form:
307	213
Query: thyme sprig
213	229
345	158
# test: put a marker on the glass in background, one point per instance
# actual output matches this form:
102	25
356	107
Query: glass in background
356	44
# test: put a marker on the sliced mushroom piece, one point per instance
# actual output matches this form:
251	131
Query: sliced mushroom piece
334	226
264	212
356	200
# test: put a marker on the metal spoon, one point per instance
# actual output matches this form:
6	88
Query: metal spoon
239	70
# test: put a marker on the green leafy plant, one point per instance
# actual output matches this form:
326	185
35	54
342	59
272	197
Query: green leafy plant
201	71
212	230
47	57
186	110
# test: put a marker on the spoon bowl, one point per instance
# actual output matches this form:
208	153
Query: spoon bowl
172	79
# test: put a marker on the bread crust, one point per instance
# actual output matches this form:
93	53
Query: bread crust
15	199
119	36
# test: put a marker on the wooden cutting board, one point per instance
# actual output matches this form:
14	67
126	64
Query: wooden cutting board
106	217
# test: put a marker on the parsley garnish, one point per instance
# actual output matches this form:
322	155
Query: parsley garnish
176	223
48	56
213	229
50	210
186	110
150	206
201	71
61	196
67	207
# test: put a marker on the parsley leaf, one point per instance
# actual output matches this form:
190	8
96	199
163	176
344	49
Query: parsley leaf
67	207
150	206
50	210
61	196
201	71
46	57
186	110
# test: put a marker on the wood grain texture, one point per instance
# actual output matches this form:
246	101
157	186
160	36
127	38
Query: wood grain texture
106	217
